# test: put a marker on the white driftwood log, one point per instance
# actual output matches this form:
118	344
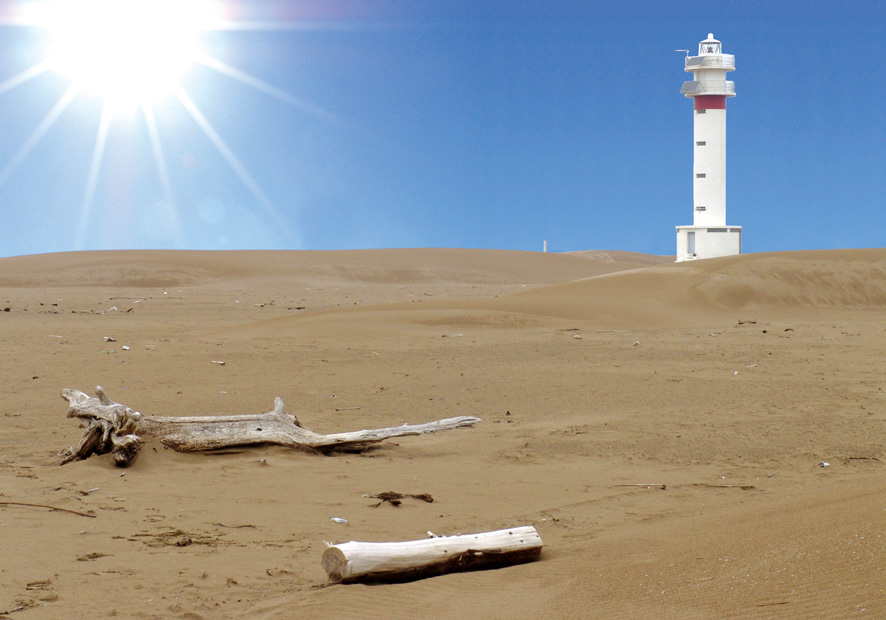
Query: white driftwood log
415	559
110	424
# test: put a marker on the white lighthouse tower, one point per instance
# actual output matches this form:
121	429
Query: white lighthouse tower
709	236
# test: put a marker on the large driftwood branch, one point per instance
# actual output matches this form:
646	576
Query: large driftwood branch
110	427
415	559
114	427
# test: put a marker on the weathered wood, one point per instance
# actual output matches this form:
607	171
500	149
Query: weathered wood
110	427
114	427
415	559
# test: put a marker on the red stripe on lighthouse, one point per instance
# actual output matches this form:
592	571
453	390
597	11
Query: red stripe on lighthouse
710	102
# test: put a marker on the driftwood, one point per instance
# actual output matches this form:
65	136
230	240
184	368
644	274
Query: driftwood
114	427
110	427
415	559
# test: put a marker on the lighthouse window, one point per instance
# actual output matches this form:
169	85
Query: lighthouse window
700	175
700	208
709	46
700	111
701	143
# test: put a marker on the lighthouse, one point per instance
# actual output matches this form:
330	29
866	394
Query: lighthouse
709	236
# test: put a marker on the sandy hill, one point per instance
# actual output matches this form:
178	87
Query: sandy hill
408	266
633	291
683	292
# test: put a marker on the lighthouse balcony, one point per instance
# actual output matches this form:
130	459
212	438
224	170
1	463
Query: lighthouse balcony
718	87
712	61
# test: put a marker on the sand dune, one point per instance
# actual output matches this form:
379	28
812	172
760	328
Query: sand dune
665	294
167	269
595	374
687	292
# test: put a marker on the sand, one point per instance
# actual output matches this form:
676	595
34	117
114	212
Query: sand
728	382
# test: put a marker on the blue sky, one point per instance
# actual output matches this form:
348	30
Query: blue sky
481	124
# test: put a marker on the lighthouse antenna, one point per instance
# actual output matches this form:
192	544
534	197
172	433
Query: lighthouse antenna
687	51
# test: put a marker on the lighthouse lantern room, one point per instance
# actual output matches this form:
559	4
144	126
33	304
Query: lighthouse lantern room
709	236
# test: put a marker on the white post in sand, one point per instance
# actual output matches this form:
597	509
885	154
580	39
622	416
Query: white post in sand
709	236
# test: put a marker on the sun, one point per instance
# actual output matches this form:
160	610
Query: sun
132	57
126	52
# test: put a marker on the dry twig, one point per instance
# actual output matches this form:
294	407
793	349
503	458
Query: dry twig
82	514
644	486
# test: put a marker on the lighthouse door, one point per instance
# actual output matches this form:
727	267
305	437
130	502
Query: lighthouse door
690	243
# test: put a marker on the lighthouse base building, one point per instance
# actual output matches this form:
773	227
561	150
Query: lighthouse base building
709	236
707	242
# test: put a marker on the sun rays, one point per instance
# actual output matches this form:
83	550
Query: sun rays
268	89
24	76
134	56
37	134
92	178
163	172
229	156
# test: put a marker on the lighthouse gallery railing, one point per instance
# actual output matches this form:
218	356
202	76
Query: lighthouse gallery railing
724	61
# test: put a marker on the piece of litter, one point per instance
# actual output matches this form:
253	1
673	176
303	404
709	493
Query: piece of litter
735	373
824	464
577	337
636	343
126	347
752	366
338	520
110	339
219	362
113	309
